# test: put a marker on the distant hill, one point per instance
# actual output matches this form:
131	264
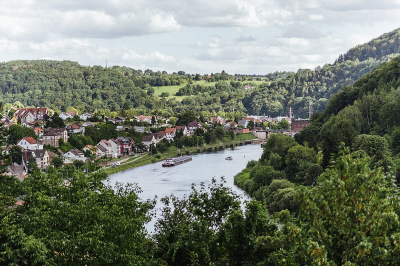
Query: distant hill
60	84
316	87
371	106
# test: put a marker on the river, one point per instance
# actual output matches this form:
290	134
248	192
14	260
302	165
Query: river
155	180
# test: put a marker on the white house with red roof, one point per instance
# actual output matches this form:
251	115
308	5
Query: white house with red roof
170	133
29	143
144	118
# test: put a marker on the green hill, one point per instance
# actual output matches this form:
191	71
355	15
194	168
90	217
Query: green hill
317	86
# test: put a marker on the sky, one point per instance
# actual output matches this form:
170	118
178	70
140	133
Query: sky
196	36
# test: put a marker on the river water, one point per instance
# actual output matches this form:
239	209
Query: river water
155	180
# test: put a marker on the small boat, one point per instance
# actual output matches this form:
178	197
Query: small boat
168	162
229	158
175	161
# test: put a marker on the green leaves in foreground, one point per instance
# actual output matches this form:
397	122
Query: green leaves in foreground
349	218
79	221
210	228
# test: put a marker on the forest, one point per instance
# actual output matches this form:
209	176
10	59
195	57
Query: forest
60	85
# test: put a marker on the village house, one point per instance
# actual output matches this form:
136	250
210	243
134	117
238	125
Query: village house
64	116
75	129
42	157
29	143
7	122
115	147
125	144
147	140
85	116
87	124
230	125
31	114
139	129
192	126
297	125
182	129
120	119
25	117
144	118
51	136
107	145
74	155
19	171
38	131
218	120
101	151
170	133
123	128
52	155
90	148
243	123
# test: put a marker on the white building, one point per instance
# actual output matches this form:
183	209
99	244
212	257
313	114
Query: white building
29	143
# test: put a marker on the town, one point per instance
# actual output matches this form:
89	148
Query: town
41	136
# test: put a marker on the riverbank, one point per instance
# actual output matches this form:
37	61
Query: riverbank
172	151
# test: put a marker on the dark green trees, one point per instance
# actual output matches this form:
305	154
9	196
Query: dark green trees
209	228
79	222
349	218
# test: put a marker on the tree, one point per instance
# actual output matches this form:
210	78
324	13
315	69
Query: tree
219	132
58	161
17	132
281	195
75	224
209	228
298	159
231	134
185	118
349	218
173	120
55	122
279	144
16	154
32	164
250	125
150	91
284	124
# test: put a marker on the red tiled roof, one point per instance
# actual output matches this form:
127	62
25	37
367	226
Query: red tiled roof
170	130
30	140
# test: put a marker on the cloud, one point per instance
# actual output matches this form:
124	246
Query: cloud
8	46
245	39
152	57
302	31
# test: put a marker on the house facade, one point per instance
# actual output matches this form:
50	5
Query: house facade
149	139
107	145
74	155
125	145
31	114
29	143
115	147
42	157
52	135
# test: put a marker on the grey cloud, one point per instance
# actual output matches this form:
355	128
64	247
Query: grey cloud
245	39
302	31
